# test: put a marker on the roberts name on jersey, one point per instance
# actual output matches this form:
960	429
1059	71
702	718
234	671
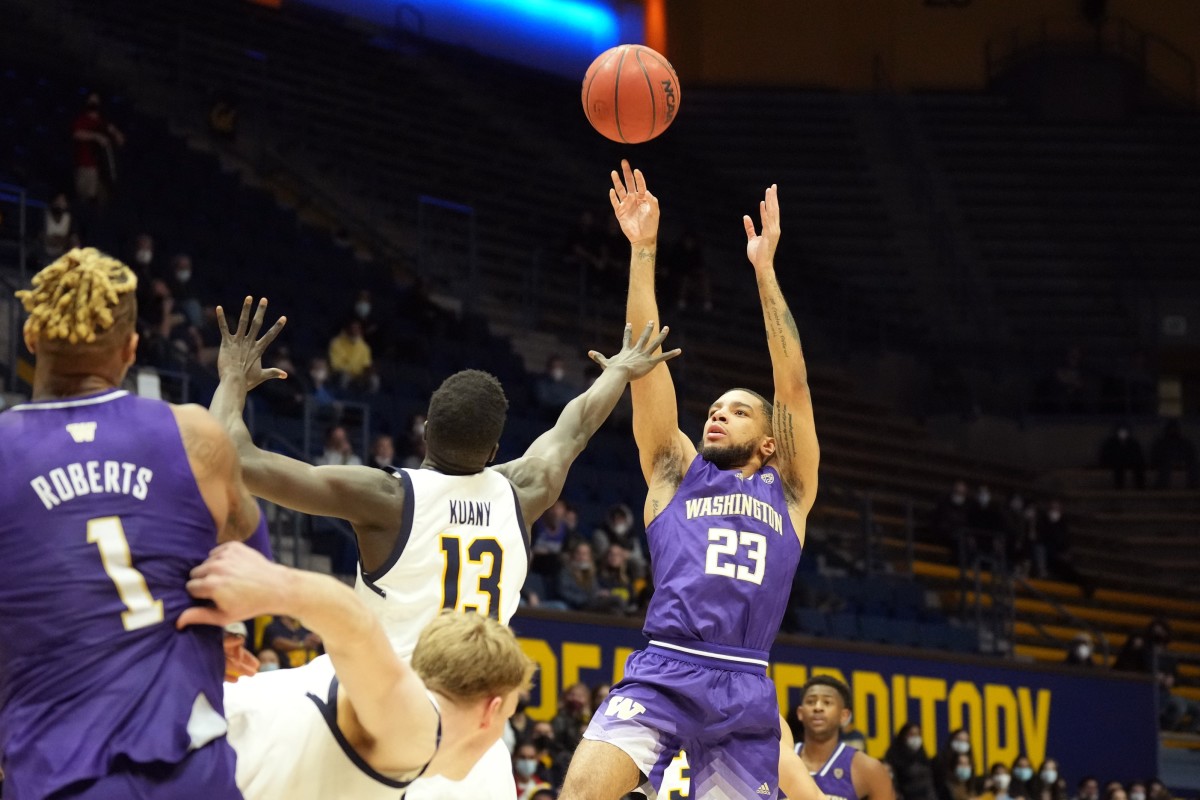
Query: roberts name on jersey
80	479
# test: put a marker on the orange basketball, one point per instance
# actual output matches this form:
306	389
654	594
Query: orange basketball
631	94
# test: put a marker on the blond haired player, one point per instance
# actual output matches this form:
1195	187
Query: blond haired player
452	534
359	723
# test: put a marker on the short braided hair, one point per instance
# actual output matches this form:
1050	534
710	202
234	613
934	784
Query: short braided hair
74	299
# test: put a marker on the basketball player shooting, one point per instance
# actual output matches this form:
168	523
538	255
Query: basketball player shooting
725	520
452	534
109	501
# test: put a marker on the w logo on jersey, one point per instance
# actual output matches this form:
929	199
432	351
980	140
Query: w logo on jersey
82	431
623	708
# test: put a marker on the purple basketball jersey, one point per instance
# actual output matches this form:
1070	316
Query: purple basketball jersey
101	523
834	778
723	555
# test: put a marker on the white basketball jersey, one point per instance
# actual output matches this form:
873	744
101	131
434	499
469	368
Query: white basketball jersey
463	545
490	779
283	727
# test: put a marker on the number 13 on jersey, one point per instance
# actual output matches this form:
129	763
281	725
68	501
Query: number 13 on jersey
471	571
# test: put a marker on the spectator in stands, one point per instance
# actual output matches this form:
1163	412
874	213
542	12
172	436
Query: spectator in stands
1055	537
553	390
578	585
1080	651
519	727
1088	789
687	266
143	258
959	780
553	757
946	762
1048	785
613	578
268	660
338	451
995	787
618	528
365	311
95	141
985	526
167	337
415	303
183	289
383	451
292	642
285	398
950	516
1136	790
1122	454
318	375
1172	450
525	771
1176	712
600	694
1022	776
350	355
574	714
549	538
1157	790
586	250
1116	793
912	769
58	230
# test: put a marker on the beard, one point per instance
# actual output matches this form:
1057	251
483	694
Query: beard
728	456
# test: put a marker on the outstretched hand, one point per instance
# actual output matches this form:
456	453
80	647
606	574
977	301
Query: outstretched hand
760	248
637	358
239	581
635	207
240	354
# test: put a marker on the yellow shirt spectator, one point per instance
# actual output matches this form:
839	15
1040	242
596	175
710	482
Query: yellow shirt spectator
349	352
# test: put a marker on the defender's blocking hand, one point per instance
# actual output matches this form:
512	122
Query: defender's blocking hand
638	359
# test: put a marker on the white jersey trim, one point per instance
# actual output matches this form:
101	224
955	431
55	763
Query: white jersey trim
825	769
708	654
84	401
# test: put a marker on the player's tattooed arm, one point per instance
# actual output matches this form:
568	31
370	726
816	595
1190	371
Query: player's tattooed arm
539	475
218	473
795	432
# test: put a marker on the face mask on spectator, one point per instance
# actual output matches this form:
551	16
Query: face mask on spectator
620	528
144	257
269	666
985	497
962	772
959	746
1053	515
526	767
362	308
1023	773
1002	780
183	275
557	374
584	564
319	375
1049	775
1083	652
1137	796
914	743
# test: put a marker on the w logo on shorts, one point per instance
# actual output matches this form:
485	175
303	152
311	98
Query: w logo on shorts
623	708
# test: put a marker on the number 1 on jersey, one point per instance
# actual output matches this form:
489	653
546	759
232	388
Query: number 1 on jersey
142	609
478	551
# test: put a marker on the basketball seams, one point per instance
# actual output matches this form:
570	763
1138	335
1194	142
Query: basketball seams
637	54
587	91
617	94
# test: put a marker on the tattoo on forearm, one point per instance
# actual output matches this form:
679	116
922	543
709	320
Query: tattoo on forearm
654	506
646	254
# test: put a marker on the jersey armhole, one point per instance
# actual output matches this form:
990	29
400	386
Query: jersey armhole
525	535
406	524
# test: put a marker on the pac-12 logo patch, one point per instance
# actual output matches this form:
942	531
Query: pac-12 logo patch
768	478
838	773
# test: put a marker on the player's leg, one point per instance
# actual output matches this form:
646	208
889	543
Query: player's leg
600	771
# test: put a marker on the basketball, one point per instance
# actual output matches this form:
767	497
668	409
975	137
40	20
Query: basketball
631	94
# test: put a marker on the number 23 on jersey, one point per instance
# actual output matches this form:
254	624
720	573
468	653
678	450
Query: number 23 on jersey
471	571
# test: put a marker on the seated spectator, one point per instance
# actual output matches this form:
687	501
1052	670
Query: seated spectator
912	769
957	784
995	787
1088	788
338	451
579	586
613	578
1116	793
58	230
321	390
944	764
183	289
268	660
349	354
600	694
1172	450
1048	785
1080	651
1136	790
549	540
1122	454
1022	777
552	756
526	771
618	528
519	727
383	452
292	642
553	391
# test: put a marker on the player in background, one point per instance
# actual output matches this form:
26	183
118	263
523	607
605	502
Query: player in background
369	730
839	770
108	501
453	534
725	520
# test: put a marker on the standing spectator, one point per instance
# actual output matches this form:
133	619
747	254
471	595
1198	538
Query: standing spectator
338	451
619	529
553	390
95	163
950	516
1080	651
578	585
183	289
1089	789
143	258
292	642
525	771
367	315
1122	454
687	263
912	769
383	451
349	354
1170	450
318	376
1022	775
1056	537
58	230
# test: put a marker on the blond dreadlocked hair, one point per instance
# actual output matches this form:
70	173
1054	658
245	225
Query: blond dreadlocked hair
74	298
